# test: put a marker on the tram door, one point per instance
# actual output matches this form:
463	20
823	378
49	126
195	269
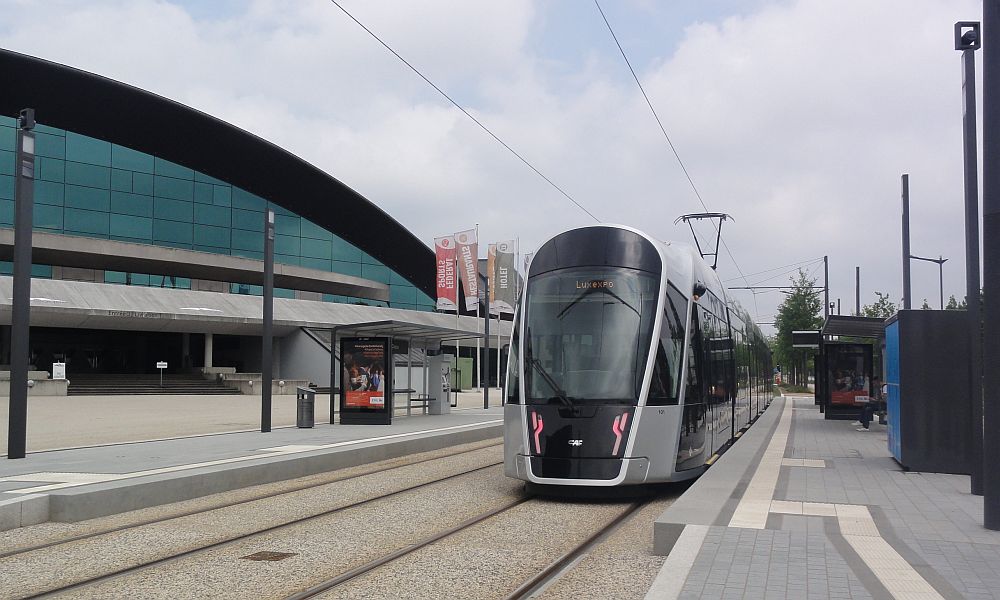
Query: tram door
695	446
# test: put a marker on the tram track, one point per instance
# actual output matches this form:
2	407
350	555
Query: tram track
552	570
198	511
82	584
561	565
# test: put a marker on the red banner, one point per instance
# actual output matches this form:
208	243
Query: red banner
447	287
468	266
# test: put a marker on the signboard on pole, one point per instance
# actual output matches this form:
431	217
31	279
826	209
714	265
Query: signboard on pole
366	381
505	284
467	246
491	259
447	287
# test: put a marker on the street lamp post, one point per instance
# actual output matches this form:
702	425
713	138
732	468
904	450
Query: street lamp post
967	40
24	200
940	263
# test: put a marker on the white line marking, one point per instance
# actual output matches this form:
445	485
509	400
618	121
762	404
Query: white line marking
66	480
753	508
803	462
670	580
897	575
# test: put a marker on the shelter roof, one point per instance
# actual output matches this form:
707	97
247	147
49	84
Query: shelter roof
843	325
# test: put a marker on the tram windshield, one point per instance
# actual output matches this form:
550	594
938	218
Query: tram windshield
587	335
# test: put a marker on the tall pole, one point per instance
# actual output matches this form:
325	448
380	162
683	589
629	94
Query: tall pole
941	279
857	291
24	198
906	241
973	312
991	267
486	349
479	363
826	288
265	367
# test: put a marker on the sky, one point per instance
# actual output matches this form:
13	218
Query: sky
796	117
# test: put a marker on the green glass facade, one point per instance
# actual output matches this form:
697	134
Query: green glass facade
89	187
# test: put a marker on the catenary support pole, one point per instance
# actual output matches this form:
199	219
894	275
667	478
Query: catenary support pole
826	288
857	291
991	265
906	241
486	346
266	349
941	279
24	199
972	284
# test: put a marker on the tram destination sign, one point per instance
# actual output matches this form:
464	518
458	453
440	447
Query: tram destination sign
806	339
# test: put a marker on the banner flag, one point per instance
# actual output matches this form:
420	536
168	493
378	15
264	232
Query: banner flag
447	286
467	247
491	259
506	278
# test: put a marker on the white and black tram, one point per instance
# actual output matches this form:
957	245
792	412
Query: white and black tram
628	365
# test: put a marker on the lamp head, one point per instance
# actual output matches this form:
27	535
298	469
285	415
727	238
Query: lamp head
967	35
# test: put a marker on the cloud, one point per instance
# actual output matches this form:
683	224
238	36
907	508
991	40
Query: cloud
797	117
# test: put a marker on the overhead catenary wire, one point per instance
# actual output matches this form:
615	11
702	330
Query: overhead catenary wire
671	144
467	113
765	271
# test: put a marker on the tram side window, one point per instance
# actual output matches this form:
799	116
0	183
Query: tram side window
513	387
664	389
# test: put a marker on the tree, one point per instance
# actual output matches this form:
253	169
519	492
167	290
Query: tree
883	308
800	311
954	305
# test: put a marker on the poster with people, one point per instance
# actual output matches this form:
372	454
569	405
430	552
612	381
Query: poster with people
850	373
364	378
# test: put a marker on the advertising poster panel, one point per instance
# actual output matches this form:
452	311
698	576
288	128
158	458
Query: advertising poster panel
447	287
366	380
467	247
850	373
506	278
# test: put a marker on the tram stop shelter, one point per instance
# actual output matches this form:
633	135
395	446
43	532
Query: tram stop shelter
846	364
389	338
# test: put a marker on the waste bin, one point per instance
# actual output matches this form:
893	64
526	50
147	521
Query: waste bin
305	405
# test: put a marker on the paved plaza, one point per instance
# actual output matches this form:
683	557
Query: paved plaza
824	511
73	421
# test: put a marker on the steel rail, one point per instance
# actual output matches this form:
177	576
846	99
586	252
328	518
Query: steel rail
211	546
93	534
556	568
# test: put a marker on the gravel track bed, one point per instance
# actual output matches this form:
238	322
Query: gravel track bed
47	568
33	535
488	560
323	547
620	566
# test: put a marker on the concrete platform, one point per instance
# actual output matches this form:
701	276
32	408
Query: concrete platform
801	507
83	483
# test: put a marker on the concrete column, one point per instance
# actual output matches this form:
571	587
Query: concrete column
208	350
185	350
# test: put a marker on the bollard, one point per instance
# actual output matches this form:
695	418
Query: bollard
305	406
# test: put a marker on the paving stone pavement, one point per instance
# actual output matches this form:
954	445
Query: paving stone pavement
929	519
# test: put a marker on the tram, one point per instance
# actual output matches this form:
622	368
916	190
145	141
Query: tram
628	363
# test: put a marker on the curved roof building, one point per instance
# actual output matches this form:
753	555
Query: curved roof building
121	164
134	191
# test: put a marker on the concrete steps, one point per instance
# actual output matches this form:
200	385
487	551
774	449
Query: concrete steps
128	384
